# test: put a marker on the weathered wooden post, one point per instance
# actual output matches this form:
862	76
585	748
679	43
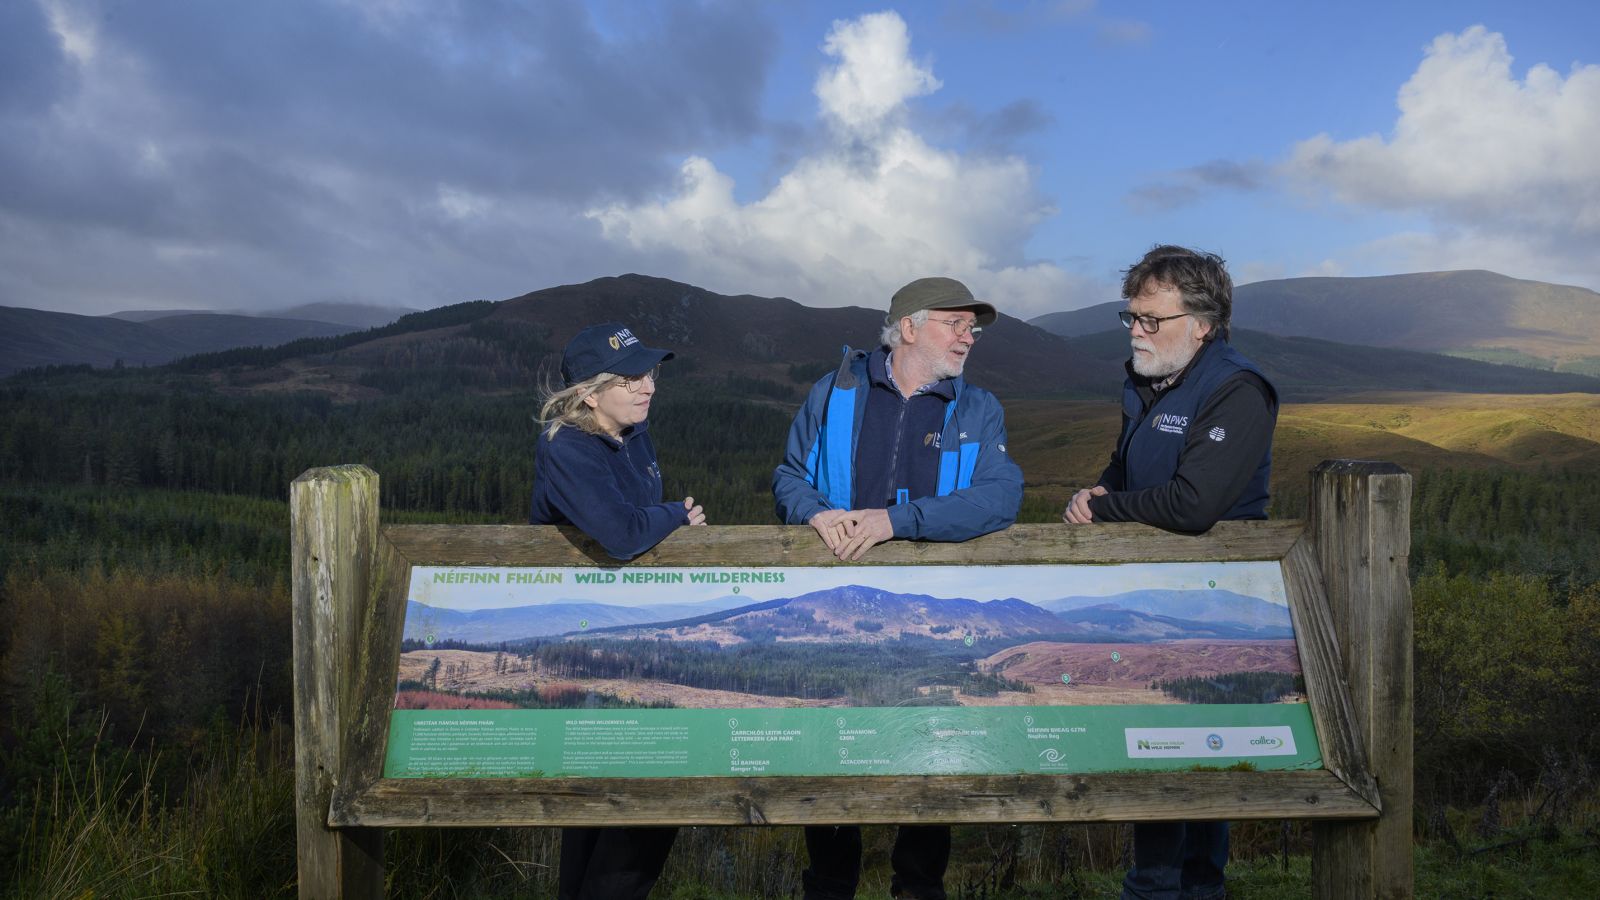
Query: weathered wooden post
334	524
1359	522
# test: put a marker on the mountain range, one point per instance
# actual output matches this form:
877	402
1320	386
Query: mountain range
492	626
862	614
31	337
1212	606
1476	314
772	348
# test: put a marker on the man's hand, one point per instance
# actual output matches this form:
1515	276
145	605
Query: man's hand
830	527
864	528
697	516
1077	511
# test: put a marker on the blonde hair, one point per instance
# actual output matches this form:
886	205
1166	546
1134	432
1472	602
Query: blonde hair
565	406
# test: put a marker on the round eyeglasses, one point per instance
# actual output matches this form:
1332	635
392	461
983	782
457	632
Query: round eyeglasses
635	383
962	326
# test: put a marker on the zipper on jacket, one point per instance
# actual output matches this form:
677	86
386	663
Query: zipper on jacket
894	456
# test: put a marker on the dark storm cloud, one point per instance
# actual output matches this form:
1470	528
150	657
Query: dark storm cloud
304	147
33	69
501	95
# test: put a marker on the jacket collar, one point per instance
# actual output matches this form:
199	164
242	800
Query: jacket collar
629	435
878	371
1149	384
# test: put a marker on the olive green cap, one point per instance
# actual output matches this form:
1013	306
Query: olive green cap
938	293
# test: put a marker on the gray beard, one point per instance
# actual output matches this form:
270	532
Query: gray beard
944	370
1157	365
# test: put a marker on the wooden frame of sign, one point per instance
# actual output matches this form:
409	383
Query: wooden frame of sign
1344	571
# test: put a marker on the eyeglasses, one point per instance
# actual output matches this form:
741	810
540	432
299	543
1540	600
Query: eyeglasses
635	383
1150	324
962	326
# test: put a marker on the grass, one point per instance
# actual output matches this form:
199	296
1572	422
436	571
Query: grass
102	832
1065	446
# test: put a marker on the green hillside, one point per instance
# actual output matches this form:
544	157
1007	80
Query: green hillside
1064	446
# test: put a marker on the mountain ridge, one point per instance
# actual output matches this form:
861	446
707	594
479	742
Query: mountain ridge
1475	312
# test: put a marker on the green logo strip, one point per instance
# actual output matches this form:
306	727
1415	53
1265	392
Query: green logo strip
951	740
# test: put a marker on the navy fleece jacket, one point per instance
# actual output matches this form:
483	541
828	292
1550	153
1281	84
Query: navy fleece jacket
610	489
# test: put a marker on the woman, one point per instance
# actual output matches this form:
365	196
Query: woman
596	469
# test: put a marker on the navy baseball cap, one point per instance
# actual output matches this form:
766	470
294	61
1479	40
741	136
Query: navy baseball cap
607	347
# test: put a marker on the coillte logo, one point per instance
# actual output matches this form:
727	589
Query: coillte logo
1265	741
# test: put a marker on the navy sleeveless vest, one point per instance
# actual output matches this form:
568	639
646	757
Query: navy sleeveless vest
1154	438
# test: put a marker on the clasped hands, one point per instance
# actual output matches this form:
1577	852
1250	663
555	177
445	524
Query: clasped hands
1077	511
695	514
849	533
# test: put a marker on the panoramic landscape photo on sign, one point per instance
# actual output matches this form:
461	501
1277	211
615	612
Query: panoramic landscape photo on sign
671	672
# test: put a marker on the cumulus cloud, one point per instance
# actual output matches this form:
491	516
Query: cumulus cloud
868	92
875	206
1503	166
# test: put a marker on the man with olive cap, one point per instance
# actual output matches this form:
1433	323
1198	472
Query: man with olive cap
896	444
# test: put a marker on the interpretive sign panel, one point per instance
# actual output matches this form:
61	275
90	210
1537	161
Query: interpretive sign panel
871	670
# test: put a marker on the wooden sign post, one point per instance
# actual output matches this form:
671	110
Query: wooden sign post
333	514
1361	528
1343	576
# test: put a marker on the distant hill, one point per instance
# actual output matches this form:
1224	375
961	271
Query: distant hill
492	626
1305	368
768	349
1211	605
773	349
147	315
357	316
858	613
1108	621
208	332
1478	314
32	337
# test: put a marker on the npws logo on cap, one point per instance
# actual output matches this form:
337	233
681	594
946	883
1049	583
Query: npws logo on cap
623	338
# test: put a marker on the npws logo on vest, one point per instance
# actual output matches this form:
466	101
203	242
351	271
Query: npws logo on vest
1170	423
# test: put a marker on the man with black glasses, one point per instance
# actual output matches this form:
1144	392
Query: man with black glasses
896	444
1196	448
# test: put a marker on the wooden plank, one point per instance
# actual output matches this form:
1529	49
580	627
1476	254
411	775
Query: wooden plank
1391	715
778	545
334	525
1360	527
1343	752
373	683
1121	797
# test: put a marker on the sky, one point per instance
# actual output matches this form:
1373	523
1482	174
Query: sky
1035	584
415	153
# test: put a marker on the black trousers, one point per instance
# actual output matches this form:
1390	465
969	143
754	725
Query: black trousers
612	863
921	855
